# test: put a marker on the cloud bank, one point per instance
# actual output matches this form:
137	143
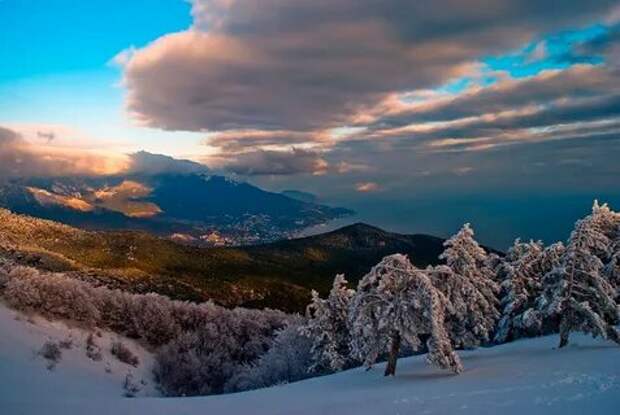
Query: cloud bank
311	65
20	158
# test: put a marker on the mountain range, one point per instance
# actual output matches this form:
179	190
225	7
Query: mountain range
191	206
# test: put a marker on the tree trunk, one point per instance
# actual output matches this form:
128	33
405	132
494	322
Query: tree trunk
390	369
565	327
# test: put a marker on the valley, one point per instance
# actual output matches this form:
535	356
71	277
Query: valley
276	275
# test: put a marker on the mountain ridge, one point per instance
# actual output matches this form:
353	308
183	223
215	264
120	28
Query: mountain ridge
277	275
190	205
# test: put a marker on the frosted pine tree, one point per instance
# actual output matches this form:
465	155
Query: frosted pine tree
608	222
576	292
328	329
467	282
523	268
397	305
612	270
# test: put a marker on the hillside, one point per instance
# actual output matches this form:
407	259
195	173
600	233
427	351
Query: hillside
523	377
278	275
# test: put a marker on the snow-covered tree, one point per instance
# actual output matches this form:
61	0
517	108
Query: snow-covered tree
329	329
396	304
612	271
576	292
523	268
467	282
608	223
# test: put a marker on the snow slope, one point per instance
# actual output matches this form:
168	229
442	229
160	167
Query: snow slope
25	377
524	377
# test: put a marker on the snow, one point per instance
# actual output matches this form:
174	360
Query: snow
25	375
524	377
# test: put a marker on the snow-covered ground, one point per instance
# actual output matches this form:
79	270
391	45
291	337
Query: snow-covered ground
524	377
25	377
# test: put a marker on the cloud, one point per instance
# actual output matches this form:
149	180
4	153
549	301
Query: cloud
261	162
314	65
147	163
237	141
49	135
20	158
366	187
344	167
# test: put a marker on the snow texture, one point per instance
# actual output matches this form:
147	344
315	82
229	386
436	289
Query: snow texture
523	377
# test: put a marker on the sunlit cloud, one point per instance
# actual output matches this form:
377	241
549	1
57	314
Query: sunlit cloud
366	187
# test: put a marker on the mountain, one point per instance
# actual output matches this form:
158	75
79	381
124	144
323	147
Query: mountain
278	275
303	196
194	207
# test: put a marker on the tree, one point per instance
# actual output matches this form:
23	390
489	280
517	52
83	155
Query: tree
576	291
608	222
612	270
467	282
287	360
397	304
329	329
523	269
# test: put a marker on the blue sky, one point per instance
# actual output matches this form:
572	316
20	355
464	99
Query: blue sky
61	72
51	37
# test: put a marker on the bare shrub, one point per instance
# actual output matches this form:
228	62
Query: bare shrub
93	351
51	352
66	343
130	386
124	354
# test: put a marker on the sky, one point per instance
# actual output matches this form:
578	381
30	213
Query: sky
418	115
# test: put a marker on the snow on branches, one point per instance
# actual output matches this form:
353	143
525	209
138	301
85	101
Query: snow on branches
576	291
522	271
467	282
328	328
396	303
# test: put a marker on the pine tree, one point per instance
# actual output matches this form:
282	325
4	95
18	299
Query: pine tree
467	282
396	304
608	223
612	270
523	269
576	291
328	328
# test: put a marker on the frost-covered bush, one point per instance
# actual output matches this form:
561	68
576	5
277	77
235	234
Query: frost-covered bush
153	319
51	352
202	361
201	344
130	386
124	353
51	295
93	351
288	360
